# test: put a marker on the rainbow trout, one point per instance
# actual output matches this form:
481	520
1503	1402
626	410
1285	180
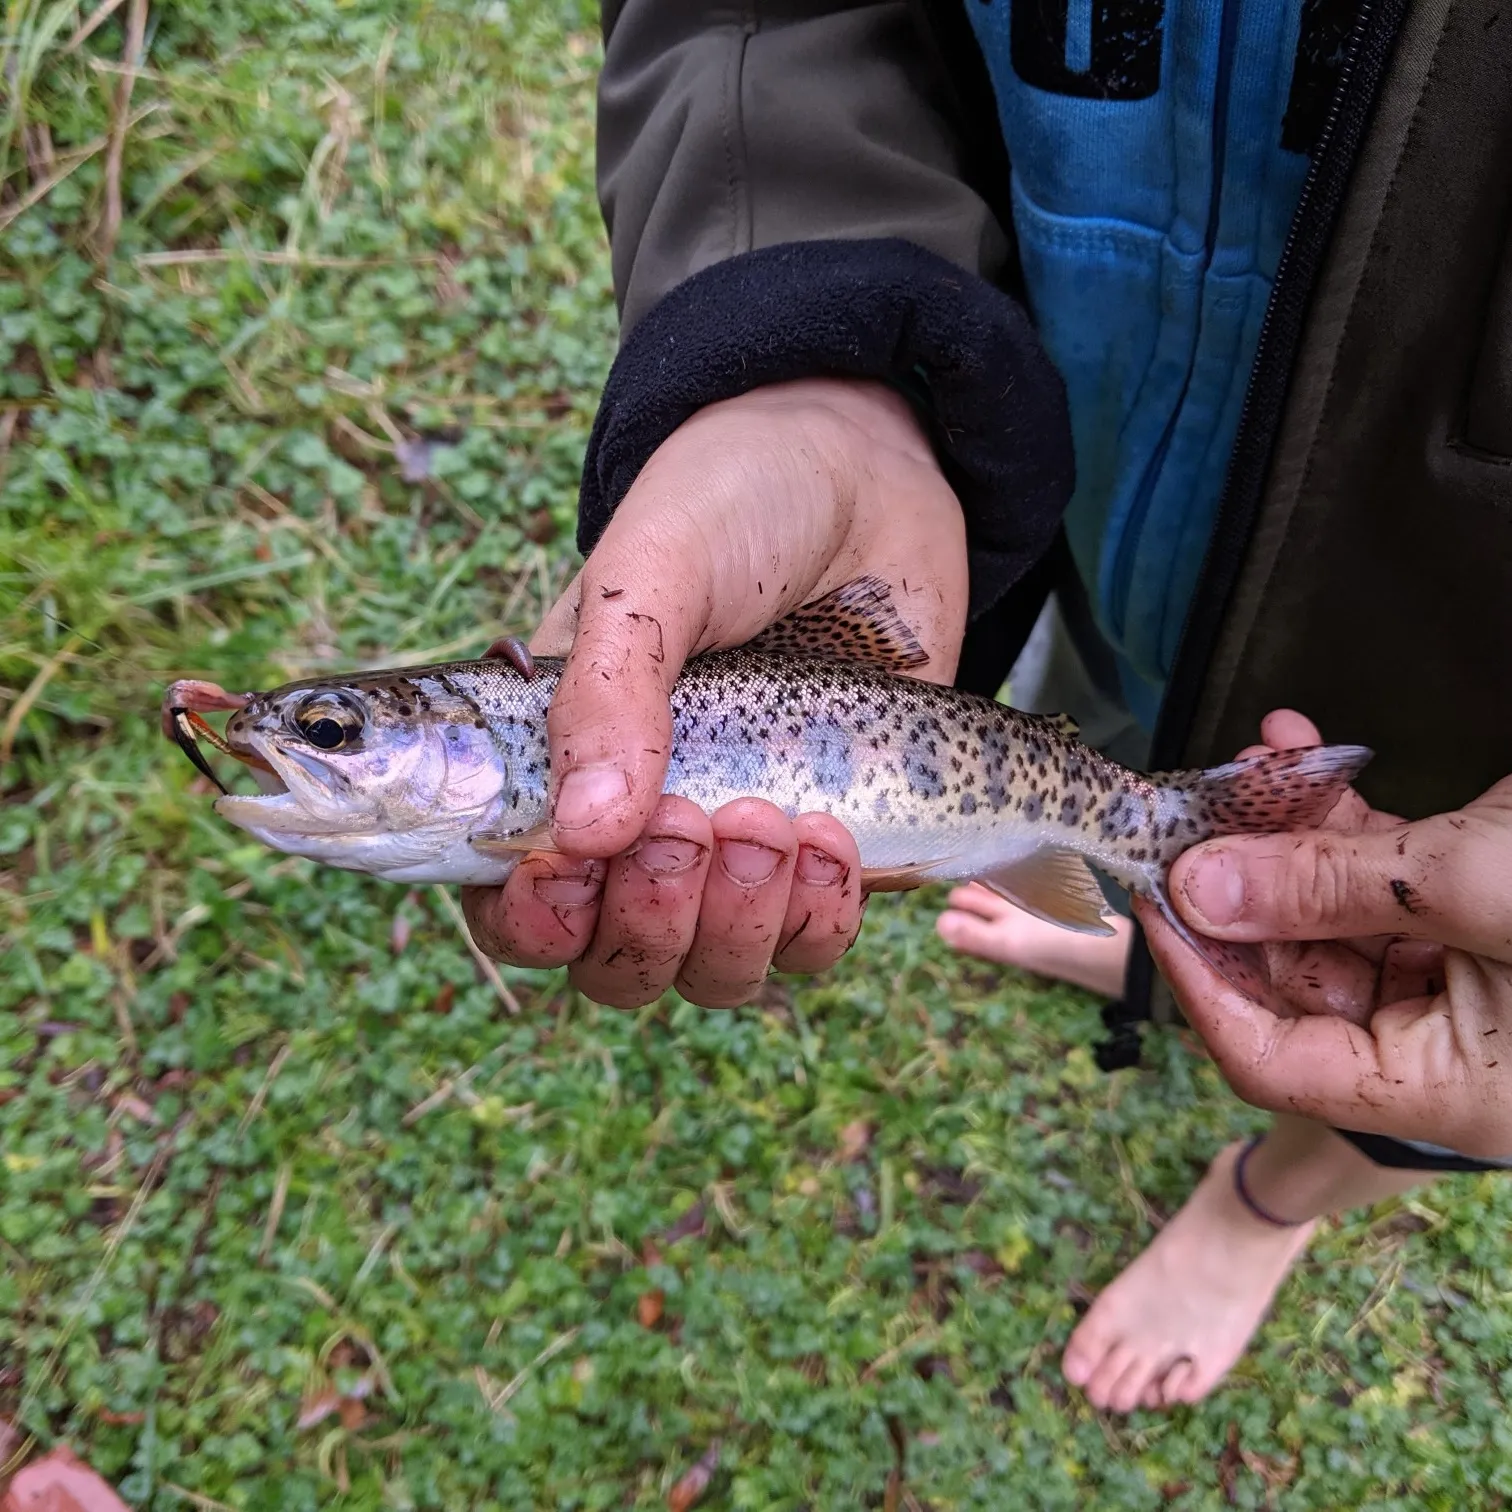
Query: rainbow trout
440	773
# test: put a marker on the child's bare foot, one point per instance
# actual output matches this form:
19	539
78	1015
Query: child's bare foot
1171	1326
980	923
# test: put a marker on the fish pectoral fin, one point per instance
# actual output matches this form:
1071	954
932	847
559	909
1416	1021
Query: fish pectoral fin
503	843
900	878
857	621
1054	885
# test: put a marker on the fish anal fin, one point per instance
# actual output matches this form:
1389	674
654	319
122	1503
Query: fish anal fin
501	843
899	878
1244	967
858	621
1054	885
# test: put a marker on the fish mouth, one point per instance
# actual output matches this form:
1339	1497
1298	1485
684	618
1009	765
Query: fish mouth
277	810
295	790
280	813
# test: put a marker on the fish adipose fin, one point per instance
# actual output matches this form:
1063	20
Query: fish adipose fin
857	622
1270	794
500	844
1054	885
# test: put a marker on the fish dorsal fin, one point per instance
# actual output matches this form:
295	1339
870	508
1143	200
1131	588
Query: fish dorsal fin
857	622
1063	724
502	844
1054	885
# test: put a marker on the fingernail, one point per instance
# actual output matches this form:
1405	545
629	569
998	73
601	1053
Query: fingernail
1215	889
586	793
817	867
750	865
668	856
571	891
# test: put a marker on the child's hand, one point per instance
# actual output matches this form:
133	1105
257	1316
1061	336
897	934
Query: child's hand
750	509
1401	977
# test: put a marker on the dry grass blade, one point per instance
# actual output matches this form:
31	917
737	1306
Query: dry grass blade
510	1001
23	705
275	1211
97	18
194	256
196	1499
430	1103
261	1095
890	1357
551	1351
71	163
136	37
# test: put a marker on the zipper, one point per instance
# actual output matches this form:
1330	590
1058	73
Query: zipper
1139	508
1307	240
1323	190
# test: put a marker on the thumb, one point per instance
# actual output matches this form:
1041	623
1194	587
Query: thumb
1421	881
610	724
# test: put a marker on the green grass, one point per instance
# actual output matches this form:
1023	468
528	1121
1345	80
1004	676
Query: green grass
256	1148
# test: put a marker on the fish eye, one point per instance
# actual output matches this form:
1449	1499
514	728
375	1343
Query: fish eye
329	721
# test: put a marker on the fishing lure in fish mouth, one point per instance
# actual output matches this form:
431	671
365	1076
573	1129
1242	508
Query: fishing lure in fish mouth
441	773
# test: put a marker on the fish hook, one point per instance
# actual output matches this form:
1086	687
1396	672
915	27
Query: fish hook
186	724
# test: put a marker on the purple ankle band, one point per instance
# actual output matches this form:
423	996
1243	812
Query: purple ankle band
1241	1188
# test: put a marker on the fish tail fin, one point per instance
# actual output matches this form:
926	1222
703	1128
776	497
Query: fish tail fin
1268	794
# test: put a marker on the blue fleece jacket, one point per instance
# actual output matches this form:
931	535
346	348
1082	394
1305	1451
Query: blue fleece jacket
1159	149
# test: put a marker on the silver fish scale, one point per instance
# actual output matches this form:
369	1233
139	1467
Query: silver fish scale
915	771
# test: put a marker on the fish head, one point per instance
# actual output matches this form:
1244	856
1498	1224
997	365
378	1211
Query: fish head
374	775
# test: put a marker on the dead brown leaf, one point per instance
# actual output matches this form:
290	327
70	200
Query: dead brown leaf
649	1307
1229	1462
855	1140
1275	1473
10	1438
399	934
142	1111
316	1409
60	1482
691	1223
691	1486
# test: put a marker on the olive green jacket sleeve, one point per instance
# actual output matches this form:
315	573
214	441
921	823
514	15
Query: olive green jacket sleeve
728	127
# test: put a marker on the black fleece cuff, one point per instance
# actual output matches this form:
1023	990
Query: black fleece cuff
883	309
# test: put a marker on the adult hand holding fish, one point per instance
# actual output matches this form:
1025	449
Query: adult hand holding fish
1399	974
751	508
